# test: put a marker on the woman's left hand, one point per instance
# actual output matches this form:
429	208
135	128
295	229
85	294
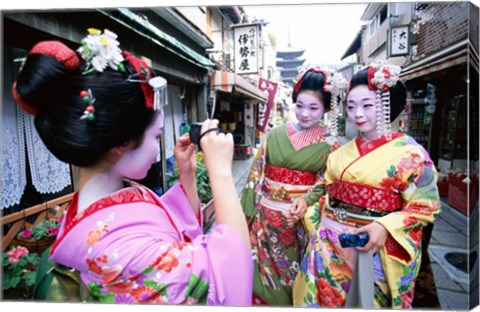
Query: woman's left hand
377	236
185	155
299	207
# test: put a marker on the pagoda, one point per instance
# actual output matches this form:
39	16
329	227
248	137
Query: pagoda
288	62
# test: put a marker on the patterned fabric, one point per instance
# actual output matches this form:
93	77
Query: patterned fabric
289	176
283	169
365	195
400	166
302	139
124	257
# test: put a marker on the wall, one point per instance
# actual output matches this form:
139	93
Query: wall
196	15
441	25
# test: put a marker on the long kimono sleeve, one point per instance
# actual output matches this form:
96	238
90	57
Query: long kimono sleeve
420	207
251	191
144	252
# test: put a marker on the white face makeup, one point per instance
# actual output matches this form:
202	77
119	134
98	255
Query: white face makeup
135	164
308	109
361	110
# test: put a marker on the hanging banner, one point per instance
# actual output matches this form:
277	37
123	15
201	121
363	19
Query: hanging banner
263	109
246	49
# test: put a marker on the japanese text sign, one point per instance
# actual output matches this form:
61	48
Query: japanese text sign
246	49
399	40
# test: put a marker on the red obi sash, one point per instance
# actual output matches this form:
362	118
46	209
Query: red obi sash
289	176
365	196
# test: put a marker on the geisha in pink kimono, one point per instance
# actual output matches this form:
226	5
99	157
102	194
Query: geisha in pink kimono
381	183
129	245
289	165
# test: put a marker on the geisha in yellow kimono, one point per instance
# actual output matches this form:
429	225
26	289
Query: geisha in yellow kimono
381	183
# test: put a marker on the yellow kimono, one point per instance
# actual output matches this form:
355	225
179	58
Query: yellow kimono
389	182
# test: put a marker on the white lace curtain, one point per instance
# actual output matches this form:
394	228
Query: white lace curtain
19	136
49	175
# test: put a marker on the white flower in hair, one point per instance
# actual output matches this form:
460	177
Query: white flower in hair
101	51
386	75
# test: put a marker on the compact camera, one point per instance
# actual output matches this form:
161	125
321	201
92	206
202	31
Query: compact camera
195	130
353	240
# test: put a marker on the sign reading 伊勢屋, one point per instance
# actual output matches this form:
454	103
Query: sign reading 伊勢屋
246	49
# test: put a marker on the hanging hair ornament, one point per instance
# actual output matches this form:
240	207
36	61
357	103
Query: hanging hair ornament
336	85
159	85
154	88
101	51
87	97
381	77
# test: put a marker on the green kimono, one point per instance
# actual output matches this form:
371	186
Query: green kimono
288	164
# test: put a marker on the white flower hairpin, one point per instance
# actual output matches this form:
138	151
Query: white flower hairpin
101	51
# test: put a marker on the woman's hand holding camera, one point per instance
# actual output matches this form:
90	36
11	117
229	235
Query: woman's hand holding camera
217	148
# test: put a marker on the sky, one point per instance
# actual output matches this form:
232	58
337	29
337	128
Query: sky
325	31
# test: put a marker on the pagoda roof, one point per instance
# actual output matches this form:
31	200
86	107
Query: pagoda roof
290	63
289	73
288	54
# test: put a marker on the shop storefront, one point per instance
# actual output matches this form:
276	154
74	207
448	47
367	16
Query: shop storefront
235	106
443	117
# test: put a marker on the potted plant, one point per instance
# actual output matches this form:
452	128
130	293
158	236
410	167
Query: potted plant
19	272
40	236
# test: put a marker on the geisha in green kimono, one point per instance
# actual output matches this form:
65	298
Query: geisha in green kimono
381	183
289	165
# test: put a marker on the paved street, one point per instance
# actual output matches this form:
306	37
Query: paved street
450	240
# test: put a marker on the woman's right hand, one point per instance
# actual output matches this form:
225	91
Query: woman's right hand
217	148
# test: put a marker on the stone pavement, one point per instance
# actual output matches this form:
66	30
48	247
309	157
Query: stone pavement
452	236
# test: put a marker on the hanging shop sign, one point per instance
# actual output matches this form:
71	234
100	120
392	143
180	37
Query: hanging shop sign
399	40
264	108
246	49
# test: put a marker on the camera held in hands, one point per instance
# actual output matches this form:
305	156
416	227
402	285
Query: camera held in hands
195	131
353	240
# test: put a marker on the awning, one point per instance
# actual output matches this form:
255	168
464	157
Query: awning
354	46
231	83
437	62
148	30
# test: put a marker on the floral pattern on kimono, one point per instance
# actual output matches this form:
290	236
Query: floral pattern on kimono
136	247
288	164
400	167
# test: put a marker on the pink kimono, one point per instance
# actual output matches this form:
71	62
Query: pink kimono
136	247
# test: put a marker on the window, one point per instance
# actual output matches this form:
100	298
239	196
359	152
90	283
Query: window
377	21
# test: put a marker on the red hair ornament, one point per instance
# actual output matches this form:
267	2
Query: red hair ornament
300	81
58	51
155	85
